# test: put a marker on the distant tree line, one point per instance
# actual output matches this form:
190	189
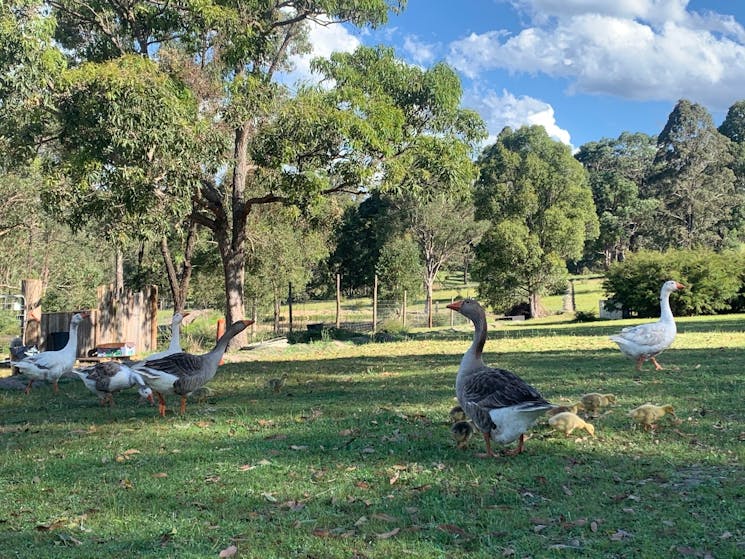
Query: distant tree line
157	145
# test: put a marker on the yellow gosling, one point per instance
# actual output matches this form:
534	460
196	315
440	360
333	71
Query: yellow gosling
566	422
594	402
647	415
457	414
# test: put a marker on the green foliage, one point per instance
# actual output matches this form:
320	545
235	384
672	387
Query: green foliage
399	268
128	142
537	198
694	182
617	169
712	281
29	64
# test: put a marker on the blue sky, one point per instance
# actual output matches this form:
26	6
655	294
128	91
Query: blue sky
584	69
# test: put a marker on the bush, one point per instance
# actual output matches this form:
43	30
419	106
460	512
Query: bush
713	281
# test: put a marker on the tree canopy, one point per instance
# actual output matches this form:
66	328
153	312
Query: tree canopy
537	198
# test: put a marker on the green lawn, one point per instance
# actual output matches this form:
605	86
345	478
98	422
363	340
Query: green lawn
353	459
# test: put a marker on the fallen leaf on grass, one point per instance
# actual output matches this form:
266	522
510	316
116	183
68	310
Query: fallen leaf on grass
363	485
269	497
212	479
125	484
384	517
160	475
228	552
298	447
394	478
386	535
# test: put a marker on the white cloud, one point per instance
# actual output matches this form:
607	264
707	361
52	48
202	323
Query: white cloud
505	109
419	51
636	49
325	40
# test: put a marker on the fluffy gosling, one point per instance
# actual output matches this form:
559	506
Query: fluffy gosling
647	415
457	414
461	432
594	402
566	422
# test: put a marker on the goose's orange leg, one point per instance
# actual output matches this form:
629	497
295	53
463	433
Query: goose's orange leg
657	366
28	387
161	405
489	451
519	449
183	405
639	363
56	388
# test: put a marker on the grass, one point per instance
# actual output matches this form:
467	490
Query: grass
352	459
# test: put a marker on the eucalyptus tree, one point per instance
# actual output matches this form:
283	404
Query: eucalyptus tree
442	226
538	202
617	171
733	127
693	181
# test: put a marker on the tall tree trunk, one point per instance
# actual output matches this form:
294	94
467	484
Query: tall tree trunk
428	286
118	271
179	281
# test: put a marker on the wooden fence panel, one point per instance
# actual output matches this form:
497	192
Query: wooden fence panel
120	317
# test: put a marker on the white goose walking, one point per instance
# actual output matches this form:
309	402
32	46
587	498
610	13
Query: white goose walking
51	365
645	341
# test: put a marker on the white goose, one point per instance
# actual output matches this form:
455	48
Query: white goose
108	377
645	341
498	402
183	373
51	365
175	345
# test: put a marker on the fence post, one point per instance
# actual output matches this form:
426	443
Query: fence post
375	304
452	312
403	313
31	329
338	301
289	304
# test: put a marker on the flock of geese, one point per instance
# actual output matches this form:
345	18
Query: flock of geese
496	402
172	371
503	407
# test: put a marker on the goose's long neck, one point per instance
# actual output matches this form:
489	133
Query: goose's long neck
474	354
175	345
213	358
71	347
666	313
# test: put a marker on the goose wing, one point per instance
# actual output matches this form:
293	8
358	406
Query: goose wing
488	389
651	335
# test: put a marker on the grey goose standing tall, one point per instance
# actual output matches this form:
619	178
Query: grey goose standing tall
499	403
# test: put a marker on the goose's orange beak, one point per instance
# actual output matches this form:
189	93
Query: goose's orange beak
679	285
455	305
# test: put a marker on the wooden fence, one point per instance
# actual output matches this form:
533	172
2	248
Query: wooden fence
120	317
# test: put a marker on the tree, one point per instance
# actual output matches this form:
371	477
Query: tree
236	51
442	226
733	127
539	204
399	268
359	238
617	170
693	181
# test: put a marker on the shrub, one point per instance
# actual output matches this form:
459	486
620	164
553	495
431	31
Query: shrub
712	280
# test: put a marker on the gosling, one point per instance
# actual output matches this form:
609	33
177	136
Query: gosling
647	415
461	432
566	422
